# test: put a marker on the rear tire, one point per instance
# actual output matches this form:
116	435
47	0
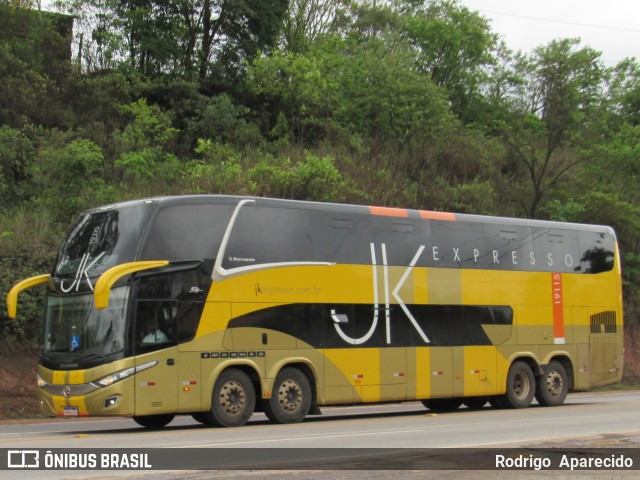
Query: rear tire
291	397
521	387
233	400
553	386
154	421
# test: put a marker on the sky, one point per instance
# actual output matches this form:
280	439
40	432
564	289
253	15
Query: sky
611	27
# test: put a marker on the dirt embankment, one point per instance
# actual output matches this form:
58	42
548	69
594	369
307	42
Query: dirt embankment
631	353
18	378
18	387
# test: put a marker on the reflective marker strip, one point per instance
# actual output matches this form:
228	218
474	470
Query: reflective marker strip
401	212
389	212
429	215
558	308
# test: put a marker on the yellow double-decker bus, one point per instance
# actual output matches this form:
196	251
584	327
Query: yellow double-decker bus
220	306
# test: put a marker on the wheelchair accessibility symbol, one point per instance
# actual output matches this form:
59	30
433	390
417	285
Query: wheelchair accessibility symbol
75	342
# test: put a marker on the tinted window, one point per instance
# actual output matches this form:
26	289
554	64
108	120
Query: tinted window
187	232
556	250
269	235
341	238
173	303
402	238
508	247
596	249
458	244
155	325
101	240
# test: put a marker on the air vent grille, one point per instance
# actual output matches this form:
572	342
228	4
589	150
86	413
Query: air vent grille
604	322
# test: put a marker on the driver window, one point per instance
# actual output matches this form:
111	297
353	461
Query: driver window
155	325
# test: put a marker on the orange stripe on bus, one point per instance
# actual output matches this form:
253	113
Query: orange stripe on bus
558	307
389	212
449	217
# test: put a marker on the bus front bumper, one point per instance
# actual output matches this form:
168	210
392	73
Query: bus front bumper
86	399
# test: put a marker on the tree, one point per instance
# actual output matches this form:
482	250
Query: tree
549	118
361	86
34	64
624	91
68	177
145	142
239	31
306	21
453	44
17	152
182	38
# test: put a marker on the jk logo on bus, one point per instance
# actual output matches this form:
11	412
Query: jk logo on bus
339	319
83	268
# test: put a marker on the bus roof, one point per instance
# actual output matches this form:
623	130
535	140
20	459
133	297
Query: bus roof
354	209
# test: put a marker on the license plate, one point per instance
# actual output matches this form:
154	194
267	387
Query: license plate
70	411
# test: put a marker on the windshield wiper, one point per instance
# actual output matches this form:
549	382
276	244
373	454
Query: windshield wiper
93	355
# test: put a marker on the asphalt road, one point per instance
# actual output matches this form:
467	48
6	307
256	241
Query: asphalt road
604	420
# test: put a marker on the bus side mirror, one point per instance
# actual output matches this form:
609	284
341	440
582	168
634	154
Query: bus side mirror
12	296
111	276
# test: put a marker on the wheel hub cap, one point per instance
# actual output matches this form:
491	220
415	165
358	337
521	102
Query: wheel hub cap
290	395
232	398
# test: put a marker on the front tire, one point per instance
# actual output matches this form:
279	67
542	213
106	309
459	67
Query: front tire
553	386
154	421
291	397
233	400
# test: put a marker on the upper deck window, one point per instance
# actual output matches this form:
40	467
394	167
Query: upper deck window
264	235
187	232
597	249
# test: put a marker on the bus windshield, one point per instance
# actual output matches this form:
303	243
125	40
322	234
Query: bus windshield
101	240
75	331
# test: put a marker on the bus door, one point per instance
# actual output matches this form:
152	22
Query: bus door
156	387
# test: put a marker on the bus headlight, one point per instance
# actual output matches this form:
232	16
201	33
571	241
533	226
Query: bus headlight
41	382
115	377
122	374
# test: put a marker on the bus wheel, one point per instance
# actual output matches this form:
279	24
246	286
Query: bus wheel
442	404
154	421
233	400
553	385
291	397
521	386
